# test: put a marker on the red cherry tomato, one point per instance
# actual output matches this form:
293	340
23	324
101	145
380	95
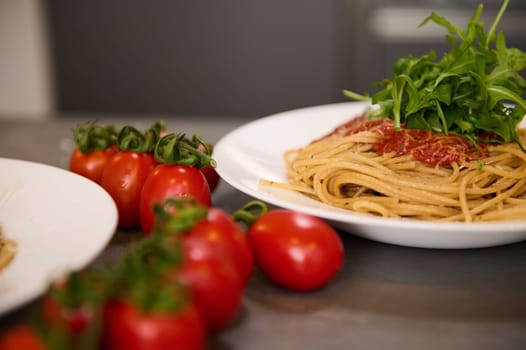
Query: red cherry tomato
128	327
21	337
297	251
216	255
218	236
217	289
208	171
75	320
123	178
90	165
171	181
212	177
71	302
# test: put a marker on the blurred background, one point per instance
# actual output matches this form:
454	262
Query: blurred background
229	58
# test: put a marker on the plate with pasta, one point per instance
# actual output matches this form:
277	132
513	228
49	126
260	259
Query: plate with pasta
52	221
294	160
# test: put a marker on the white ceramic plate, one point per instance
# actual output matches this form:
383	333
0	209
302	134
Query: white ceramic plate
255	150
59	220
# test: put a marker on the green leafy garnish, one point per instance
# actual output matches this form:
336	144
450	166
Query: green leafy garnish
473	89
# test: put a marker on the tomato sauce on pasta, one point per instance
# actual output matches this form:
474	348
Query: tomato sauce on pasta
424	145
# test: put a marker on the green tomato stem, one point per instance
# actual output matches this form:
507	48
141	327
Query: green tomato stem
250	212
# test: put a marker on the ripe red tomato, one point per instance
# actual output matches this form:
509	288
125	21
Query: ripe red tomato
217	259
209	172
216	287
127	327
171	181
219	236
90	165
297	251
212	177
72	302
21	337
123	178
75	320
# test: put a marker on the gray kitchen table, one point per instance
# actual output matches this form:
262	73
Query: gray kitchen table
385	296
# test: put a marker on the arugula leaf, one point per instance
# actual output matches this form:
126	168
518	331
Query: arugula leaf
475	87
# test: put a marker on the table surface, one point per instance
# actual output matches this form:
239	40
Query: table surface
385	296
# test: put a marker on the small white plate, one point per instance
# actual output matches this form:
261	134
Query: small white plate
254	151
59	220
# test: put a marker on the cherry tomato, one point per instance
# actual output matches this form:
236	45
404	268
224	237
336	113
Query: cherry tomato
212	177
205	233
209	172
74	319
217	259
217	289
171	181
72	302
123	178
128	327
21	337
219	236
297	251
90	165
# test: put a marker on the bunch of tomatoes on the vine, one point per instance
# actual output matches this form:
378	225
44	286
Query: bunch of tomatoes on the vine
184	281
139	168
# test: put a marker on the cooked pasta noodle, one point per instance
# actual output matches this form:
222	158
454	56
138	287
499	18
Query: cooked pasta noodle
7	251
344	171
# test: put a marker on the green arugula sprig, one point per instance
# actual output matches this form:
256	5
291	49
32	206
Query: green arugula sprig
474	88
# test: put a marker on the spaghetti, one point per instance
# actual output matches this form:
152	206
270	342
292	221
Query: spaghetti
368	167
7	251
